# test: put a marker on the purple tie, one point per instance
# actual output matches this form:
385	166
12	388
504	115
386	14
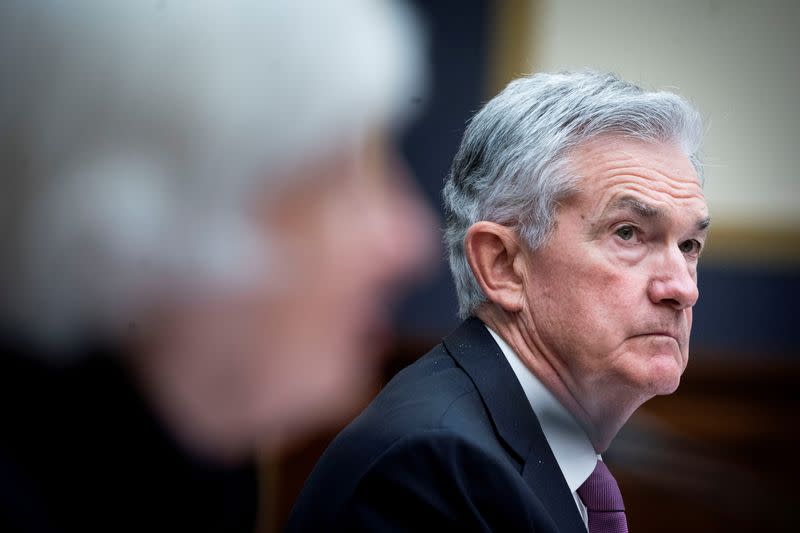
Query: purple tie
600	494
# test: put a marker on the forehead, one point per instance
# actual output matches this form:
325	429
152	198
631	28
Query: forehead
658	174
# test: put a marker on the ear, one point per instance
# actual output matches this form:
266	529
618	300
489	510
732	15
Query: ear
495	257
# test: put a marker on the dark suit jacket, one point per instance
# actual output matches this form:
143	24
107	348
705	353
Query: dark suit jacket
451	443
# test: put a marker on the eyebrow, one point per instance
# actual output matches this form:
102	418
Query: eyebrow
637	206
703	223
646	210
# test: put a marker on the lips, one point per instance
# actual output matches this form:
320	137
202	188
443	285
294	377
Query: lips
666	334
663	334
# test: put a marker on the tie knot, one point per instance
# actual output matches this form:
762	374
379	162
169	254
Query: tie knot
600	491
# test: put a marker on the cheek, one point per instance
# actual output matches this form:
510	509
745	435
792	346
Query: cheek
317	320
597	298
301	355
585	309
320	259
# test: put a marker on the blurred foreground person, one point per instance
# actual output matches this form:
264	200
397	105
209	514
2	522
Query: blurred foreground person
202	220
575	221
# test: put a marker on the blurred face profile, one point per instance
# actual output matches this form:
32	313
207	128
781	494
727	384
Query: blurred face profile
299	349
346	237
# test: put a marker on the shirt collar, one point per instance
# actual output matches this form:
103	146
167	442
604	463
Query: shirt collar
571	446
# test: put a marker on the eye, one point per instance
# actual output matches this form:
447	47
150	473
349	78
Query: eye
625	233
690	247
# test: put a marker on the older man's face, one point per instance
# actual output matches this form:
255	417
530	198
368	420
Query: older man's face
610	295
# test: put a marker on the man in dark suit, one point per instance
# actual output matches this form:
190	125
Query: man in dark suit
575	220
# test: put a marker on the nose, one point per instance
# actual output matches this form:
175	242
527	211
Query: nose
674	282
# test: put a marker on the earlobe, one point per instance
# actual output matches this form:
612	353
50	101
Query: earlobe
493	253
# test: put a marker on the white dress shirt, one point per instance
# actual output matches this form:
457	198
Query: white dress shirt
571	446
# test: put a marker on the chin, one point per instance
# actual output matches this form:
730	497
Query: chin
664	374
659	364
667	387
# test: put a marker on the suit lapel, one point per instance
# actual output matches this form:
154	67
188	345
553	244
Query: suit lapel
477	353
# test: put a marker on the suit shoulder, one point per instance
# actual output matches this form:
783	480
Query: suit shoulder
432	452
432	393
439	479
431	402
431	477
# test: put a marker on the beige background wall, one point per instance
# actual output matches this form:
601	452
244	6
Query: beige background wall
737	60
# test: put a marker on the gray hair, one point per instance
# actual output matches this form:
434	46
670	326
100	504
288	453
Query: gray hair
512	165
132	132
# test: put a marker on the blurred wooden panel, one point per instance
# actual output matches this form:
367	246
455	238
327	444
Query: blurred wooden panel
756	244
510	32
718	454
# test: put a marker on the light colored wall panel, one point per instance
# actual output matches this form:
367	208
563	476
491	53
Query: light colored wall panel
737	60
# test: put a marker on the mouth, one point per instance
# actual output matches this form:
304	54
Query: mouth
665	334
662	334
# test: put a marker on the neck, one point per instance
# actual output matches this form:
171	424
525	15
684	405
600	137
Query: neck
601	413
